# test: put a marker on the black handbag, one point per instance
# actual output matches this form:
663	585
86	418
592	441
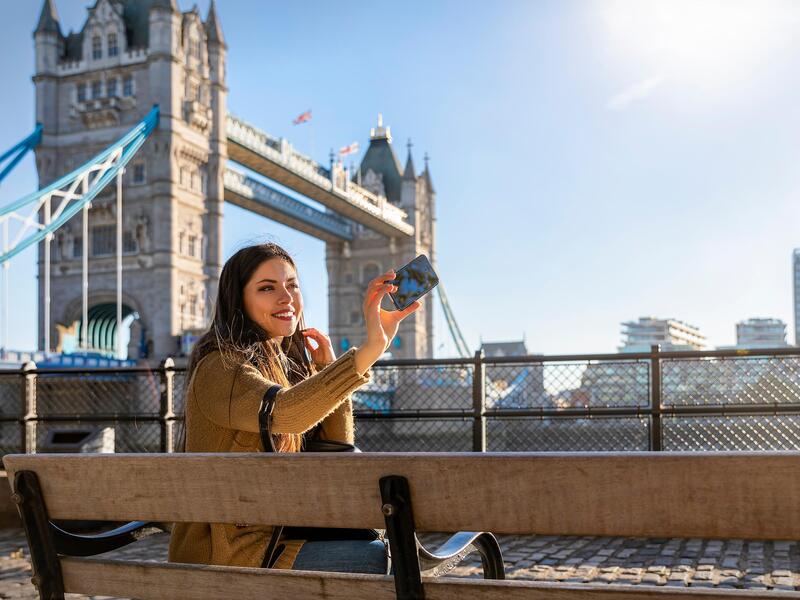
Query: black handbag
311	444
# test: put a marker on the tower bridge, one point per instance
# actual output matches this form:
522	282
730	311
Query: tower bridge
93	85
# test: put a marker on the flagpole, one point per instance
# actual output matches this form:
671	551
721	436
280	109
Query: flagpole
311	135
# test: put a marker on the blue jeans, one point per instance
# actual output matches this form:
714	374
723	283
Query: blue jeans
344	556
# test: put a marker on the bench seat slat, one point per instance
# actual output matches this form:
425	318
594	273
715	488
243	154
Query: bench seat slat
717	495
149	581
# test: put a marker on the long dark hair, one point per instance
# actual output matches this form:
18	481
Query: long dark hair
240	339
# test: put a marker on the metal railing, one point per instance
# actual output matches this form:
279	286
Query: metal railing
704	400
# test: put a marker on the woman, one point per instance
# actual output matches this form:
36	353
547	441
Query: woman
257	340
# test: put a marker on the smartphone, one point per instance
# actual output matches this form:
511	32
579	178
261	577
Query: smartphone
413	281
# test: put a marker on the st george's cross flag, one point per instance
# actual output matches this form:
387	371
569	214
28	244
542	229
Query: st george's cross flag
351	149
306	116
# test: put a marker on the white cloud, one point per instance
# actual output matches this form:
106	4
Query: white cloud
635	92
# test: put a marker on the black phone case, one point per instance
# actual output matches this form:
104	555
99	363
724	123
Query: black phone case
397	305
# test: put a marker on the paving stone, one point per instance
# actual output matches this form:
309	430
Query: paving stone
592	561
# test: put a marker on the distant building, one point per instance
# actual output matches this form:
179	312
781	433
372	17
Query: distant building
761	333
500	349
670	334
796	272
513	385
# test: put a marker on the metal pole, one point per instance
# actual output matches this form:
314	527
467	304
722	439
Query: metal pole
479	403
47	240
85	272
119	263
167	405
655	398
28	422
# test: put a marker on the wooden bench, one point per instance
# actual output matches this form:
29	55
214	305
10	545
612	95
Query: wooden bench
723	495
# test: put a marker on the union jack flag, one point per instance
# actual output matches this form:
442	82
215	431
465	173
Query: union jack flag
306	116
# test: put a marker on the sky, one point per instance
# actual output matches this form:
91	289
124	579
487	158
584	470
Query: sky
594	161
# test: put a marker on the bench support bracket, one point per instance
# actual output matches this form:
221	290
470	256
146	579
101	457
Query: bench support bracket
396	499
46	568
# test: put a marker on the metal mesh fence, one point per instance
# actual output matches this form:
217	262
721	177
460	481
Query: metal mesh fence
179	393
113	393
10	395
414	435
555	385
739	380
128	436
742	433
397	389
521	434
591	403
11	441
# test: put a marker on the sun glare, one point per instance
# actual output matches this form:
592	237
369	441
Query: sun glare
712	42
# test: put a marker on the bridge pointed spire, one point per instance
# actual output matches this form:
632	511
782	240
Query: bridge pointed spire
409	174
213	27
427	174
48	19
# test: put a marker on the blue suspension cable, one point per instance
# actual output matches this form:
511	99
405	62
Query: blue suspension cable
19	150
129	144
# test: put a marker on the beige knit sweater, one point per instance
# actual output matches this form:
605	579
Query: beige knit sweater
222	406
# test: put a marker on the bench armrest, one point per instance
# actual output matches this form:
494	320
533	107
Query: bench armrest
445	558
74	544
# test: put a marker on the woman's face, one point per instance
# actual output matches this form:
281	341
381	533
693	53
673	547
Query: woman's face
272	298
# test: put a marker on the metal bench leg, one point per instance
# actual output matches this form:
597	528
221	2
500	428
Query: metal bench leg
46	568
396	499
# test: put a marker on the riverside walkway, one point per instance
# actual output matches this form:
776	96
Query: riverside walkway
595	560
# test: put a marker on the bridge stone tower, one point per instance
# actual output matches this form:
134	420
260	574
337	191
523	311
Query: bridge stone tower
91	87
352	265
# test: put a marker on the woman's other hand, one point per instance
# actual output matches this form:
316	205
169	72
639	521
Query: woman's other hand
323	354
381	324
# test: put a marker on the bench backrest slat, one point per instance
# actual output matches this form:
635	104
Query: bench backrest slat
151	581
725	495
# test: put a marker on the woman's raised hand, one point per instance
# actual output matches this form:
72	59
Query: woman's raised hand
381	324
323	354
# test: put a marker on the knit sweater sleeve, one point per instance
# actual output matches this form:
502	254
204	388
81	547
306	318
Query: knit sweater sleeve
230	395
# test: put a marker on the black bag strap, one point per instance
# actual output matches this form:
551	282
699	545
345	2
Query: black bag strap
265	417
265	429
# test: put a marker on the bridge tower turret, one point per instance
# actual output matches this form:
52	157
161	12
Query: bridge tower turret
129	55
352	265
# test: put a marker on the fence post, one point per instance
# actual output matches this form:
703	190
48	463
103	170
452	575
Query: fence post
655	398
479	404
28	424
167	413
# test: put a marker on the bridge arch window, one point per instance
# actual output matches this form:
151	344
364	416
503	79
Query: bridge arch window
81	92
194	48
97	88
370	272
129	243
97	47
139	175
104	240
127	86
77	247
111	87
113	47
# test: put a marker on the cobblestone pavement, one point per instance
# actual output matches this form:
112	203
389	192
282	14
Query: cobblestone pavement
594	560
